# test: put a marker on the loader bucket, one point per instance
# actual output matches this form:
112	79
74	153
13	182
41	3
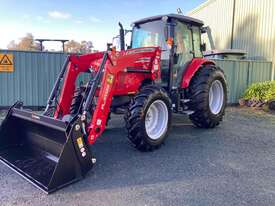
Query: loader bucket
45	151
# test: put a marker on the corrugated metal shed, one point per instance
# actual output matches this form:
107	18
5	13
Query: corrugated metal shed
33	77
250	26
35	74
221	30
241	73
254	28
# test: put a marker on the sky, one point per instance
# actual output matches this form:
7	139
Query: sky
90	20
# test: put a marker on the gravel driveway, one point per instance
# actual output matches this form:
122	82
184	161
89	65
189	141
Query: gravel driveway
233	164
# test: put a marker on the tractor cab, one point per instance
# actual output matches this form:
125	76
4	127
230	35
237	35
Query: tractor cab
179	37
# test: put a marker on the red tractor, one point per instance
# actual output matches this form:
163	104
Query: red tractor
161	72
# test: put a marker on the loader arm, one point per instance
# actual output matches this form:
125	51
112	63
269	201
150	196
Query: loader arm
120	64
76	65
134	61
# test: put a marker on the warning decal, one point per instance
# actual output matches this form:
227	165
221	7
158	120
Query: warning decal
5	60
6	63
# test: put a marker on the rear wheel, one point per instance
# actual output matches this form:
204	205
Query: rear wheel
208	97
148	118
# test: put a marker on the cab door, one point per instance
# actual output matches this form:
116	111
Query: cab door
184	51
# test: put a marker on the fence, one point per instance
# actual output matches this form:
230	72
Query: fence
242	73
35	73
33	77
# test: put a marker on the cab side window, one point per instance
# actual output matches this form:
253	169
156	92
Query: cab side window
197	41
183	51
183	40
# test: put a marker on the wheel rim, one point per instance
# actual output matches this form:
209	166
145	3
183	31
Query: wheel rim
156	120
216	97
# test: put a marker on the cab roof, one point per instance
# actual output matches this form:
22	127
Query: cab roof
179	17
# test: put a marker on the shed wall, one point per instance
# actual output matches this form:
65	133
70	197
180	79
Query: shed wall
253	26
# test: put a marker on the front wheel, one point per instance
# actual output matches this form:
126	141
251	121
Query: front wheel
208	97
148	118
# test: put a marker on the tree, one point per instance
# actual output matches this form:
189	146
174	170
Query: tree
26	43
86	47
76	47
72	47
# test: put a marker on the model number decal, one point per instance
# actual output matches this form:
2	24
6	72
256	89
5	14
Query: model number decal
81	146
105	95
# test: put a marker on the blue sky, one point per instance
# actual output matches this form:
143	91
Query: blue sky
80	19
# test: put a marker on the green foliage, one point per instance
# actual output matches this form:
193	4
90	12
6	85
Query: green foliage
261	91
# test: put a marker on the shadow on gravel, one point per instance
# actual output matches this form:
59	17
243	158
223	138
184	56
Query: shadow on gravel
237	154
188	154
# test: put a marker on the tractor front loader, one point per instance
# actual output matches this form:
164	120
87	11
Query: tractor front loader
160	73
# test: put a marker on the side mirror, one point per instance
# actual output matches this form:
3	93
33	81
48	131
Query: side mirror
204	29
203	47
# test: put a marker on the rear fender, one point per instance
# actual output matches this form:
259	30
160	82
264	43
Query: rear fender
192	68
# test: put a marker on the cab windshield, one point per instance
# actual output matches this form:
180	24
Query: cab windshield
149	34
152	34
